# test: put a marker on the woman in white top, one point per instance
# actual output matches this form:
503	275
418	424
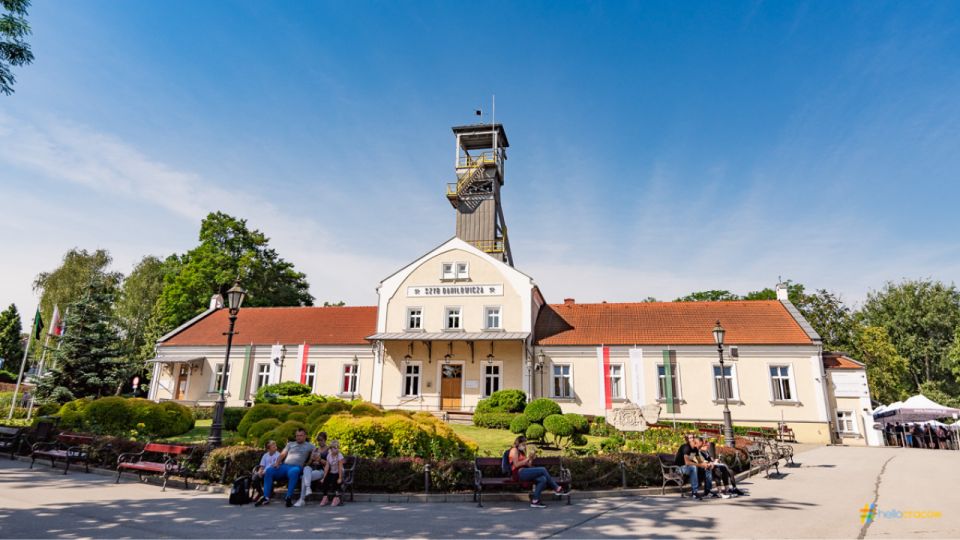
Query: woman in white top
313	471
332	479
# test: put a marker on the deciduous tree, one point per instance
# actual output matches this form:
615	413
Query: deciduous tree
11	340
14	50
887	371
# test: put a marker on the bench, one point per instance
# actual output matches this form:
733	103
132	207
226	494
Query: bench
487	473
786	434
348	471
10	439
670	472
69	447
170	462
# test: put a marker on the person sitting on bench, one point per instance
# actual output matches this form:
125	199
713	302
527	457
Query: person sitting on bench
521	465
332	475
268	460
313	470
291	462
722	472
692	464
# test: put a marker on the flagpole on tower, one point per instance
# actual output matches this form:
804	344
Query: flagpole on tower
23	363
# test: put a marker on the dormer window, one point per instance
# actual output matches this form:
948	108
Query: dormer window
454	270
463	270
447	271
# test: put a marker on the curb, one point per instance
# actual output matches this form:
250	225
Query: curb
617	493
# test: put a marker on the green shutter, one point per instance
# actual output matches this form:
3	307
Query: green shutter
668	382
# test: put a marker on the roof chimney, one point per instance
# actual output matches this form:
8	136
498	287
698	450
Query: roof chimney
782	293
216	302
569	301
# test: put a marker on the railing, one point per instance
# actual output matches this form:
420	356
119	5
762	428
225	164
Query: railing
488	246
475	167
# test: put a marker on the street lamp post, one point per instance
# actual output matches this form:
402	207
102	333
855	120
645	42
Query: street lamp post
235	298
540	362
718	333
355	379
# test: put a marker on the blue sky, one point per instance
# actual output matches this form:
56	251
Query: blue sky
657	148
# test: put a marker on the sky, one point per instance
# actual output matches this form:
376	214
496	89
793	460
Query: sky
657	148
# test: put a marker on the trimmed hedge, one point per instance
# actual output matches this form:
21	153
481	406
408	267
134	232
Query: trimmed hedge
120	416
535	432
257	430
232	417
512	401
539	409
397	436
291	393
239	460
366	409
519	424
494	420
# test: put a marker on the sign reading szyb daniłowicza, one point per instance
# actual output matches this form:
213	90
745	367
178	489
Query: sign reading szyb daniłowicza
455	290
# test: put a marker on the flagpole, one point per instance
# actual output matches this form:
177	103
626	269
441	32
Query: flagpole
23	363
43	357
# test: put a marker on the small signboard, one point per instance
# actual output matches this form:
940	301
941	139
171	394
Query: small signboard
472	383
466	289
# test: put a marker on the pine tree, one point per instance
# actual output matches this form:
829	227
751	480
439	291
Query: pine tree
87	362
11	340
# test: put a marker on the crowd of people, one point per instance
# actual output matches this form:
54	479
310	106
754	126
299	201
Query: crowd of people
702	467
301	463
919	435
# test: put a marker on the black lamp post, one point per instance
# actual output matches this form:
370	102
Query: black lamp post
540	363
718	333
235	298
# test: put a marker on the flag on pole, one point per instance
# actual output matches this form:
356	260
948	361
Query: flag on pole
56	325
37	325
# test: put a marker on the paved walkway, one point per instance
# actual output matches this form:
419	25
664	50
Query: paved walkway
820	498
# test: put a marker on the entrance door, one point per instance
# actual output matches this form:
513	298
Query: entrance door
180	390
451	387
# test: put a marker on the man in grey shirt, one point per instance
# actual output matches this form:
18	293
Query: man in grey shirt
291	462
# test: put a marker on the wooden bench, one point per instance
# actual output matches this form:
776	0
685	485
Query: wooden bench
10	439
69	447
487	473
670	472
348	472
786	434
170	462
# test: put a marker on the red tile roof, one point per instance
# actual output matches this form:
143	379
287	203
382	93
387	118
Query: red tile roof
840	361
286	325
668	323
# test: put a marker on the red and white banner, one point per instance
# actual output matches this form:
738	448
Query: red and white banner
56	325
304	358
603	365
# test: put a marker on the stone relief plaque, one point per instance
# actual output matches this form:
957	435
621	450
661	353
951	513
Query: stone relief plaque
632	417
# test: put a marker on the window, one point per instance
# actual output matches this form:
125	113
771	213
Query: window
616	381
453	318
263	375
491	379
311	378
780	378
414	318
662	385
723	383
463	270
845	423
411	379
447	271
216	380
349	384
493	317
562	381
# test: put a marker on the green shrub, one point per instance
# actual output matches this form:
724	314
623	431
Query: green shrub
284	392
297	417
396	436
537	410
72	414
519	424
232	417
283	433
257	430
579	422
494	420
535	433
109	415
7	376
239	460
366	409
255	414
559	427
399	412
612	445
503	401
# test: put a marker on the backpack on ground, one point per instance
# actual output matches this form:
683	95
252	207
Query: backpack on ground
505	463
240	492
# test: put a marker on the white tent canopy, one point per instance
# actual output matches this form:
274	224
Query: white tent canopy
918	408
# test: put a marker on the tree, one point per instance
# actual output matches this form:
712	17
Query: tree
831	318
11	340
887	371
708	296
87	363
134	306
921	318
795	293
14	51
228	250
339	303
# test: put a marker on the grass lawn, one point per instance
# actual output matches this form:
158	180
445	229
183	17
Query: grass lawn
198	434
494	441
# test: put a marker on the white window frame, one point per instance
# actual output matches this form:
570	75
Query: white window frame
261	376
790	380
466	270
214	383
487	376
444	274
446	317
554	377
676	377
852	419
486	317
406	376
734	386
410	310
354	385
622	378
311	376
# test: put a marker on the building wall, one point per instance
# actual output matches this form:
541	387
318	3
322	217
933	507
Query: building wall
849	391
807	415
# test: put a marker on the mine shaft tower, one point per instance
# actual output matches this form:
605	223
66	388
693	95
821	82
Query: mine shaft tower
481	153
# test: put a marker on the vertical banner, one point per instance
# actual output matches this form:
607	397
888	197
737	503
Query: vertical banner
636	376
304	358
245	381
668	373
603	363
276	363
